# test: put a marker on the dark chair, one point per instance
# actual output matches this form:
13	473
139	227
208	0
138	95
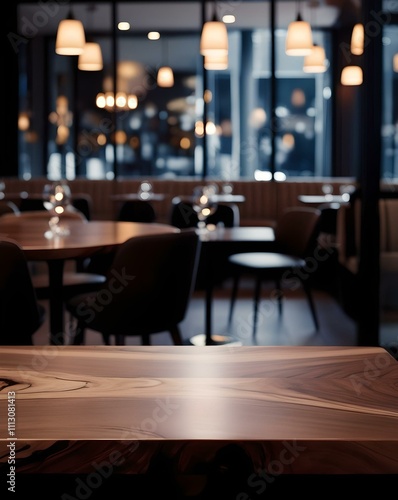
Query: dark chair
8	207
20	313
295	239
147	290
184	216
74	281
137	211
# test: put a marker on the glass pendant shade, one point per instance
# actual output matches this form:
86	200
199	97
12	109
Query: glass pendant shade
91	58
216	62
351	75
70	39
357	39
315	62
165	77
299	38
214	39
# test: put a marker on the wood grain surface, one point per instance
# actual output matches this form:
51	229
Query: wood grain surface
301	410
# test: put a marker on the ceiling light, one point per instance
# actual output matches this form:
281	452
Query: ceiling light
153	35
351	75
315	62
91	58
228	19
357	39
299	38
165	77
216	62
214	37
123	26
70	39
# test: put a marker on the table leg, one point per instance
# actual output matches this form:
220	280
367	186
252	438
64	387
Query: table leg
56	303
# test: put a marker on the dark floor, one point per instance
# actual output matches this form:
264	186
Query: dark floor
294	327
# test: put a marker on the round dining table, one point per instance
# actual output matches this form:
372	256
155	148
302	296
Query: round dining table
84	240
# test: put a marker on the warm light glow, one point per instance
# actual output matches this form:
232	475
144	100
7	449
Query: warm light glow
357	39
109	99
298	98
91	58
199	129
62	134
208	96
153	35
216	62
120	137
165	77
132	101
315	62
229	19
185	143
257	118
214	39
395	63
210	128
100	100
101	139
123	26
288	141
23	122
299	38
121	100
70	39
351	75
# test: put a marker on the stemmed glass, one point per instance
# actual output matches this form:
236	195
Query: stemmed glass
204	205
56	199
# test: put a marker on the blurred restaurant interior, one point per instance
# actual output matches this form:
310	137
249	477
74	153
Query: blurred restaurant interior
269	125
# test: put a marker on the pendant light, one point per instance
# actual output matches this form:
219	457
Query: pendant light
70	37
316	61
216	62
299	37
165	76
351	75
357	39
214	37
91	57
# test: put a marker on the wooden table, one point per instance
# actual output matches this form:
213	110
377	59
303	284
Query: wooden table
217	246
251	415
85	240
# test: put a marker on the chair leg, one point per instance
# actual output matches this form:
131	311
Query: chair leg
176	335
78	338
257	291
146	339
120	340
234	294
278	287
307	291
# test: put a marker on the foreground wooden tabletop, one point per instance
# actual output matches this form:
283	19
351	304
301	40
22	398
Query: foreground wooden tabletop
327	410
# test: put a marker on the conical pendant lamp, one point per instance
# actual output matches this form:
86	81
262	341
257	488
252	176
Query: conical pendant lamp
71	38
357	39
316	61
91	57
299	37
214	37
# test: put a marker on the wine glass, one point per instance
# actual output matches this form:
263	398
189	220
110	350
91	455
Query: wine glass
56	199
204	205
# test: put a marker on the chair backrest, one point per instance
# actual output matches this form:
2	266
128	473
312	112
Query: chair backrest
8	207
137	211
20	315
152	278
184	216
297	230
